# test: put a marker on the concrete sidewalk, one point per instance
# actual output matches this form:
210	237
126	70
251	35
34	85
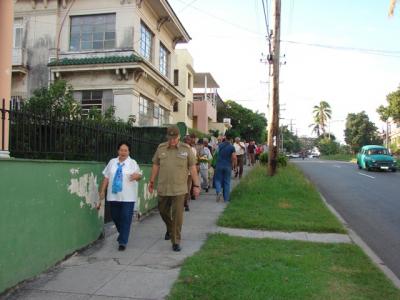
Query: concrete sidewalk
145	270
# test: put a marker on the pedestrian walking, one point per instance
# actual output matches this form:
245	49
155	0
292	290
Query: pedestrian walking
225	163
239	149
121	177
171	164
205	158
251	149
188	140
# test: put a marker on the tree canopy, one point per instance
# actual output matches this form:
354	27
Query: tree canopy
360	131
392	110
291	142
321	114
246	124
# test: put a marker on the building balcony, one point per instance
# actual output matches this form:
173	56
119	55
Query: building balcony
19	60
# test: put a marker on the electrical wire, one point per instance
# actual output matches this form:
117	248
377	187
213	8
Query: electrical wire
380	52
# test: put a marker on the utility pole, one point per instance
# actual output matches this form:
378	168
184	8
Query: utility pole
273	127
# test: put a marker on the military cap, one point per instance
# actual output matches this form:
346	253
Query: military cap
172	131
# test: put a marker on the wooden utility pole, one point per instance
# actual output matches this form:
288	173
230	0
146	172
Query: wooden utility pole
273	126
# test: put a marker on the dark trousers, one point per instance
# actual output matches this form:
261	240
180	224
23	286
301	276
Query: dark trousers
223	181
171	211
121	214
240	162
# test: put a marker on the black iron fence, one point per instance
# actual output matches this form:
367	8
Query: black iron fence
49	136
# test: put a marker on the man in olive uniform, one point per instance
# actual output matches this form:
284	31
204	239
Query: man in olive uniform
171	163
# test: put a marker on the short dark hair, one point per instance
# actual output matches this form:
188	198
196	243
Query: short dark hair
124	143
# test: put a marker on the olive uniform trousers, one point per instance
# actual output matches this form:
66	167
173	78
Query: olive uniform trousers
171	211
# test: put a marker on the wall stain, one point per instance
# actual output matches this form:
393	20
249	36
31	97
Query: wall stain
86	186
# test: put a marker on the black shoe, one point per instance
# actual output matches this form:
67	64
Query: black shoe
167	236
206	190
187	208
121	248
176	247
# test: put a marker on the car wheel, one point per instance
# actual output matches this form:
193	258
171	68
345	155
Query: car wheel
359	166
394	170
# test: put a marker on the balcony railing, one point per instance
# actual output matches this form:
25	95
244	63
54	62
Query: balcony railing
201	97
19	57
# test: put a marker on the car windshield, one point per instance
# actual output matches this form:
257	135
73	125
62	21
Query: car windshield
377	151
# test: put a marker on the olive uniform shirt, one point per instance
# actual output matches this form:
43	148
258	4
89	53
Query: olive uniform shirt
174	164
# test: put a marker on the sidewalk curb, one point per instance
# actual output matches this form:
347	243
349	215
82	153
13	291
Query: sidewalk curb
367	250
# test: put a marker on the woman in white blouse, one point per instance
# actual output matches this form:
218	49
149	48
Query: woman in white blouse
121	178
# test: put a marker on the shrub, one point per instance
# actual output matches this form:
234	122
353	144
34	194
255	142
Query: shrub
264	158
282	159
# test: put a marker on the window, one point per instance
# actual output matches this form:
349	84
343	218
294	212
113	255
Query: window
164	56
189	81
176	107
176	77
162	116
146	111
94	32
18	33
190	110
92	100
146	40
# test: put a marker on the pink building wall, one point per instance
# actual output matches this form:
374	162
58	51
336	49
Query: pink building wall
205	112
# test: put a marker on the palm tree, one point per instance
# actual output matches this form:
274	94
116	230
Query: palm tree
392	6
315	127
322	114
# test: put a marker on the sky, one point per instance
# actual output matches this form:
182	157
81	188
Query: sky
228	40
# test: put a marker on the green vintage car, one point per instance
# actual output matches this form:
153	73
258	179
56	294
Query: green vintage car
375	157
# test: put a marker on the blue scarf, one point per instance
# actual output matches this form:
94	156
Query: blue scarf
117	182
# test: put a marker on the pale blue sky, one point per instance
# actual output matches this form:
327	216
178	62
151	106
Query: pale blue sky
228	39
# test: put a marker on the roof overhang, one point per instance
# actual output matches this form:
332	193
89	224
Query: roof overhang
138	69
200	81
169	19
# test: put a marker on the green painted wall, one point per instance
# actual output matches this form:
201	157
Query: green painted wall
146	200
48	211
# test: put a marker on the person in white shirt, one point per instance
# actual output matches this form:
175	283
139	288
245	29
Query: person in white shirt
240	151
121	177
205	158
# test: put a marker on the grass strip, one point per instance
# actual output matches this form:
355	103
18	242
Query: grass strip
242	268
285	202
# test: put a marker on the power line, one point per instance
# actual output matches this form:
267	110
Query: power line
222	19
343	48
187	5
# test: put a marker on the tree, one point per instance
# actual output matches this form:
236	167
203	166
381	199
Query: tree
392	110
291	142
56	99
322	113
246	124
328	146
360	131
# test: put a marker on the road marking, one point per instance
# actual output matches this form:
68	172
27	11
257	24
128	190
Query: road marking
336	166
366	175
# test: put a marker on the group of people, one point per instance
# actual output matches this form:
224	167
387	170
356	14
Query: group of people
181	170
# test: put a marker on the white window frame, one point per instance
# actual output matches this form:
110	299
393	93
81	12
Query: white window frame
101	36
164	60
86	107
146	41
18	27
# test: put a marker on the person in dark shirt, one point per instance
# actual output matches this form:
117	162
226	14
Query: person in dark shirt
226	161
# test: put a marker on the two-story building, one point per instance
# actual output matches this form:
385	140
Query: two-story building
113	52
393	129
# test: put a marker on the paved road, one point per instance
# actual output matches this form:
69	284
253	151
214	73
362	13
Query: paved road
368	201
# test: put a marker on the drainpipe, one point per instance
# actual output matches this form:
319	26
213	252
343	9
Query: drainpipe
6	33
